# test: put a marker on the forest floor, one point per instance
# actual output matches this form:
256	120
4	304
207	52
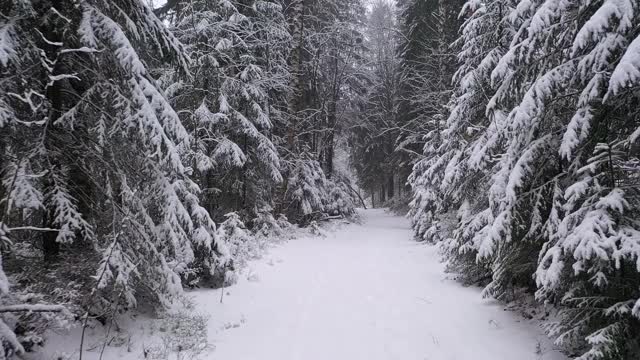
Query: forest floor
362	292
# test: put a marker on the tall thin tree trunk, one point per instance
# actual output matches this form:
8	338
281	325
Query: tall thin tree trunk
332	110
295	102
50	247
373	199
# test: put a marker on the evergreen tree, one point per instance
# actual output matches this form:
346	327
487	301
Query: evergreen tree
539	156
327	52
238	52
93	154
375	131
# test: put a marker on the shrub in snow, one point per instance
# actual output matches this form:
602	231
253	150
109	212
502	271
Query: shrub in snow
69	284
243	246
460	248
340	200
306	190
311	196
266	226
316	229
183	335
399	205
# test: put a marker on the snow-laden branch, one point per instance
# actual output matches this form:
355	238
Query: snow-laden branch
32	228
32	308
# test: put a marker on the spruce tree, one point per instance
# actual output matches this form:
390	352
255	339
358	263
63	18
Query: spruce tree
541	162
93	155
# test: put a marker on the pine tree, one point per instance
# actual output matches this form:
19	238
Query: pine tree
540	125
93	153
375	131
426	59
327	50
238	51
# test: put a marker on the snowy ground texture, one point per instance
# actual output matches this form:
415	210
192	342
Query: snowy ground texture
363	292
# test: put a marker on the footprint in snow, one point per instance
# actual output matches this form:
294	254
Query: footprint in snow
495	324
229	325
234	325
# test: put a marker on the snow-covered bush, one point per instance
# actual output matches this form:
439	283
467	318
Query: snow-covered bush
340	200
316	229
242	244
399	204
183	335
267	228
306	190
311	196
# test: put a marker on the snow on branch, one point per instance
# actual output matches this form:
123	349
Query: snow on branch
32	308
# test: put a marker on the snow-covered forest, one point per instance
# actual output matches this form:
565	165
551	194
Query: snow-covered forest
150	150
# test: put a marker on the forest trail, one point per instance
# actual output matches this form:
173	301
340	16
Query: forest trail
365	292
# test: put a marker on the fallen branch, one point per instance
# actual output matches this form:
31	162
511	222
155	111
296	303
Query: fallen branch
332	217
32	308
32	228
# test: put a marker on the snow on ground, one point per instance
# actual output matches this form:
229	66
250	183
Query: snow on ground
363	292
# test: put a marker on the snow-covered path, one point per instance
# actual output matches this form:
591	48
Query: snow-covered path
365	292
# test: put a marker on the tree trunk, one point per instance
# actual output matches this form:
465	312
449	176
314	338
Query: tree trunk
297	37
332	110
373	199
50	247
329	155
